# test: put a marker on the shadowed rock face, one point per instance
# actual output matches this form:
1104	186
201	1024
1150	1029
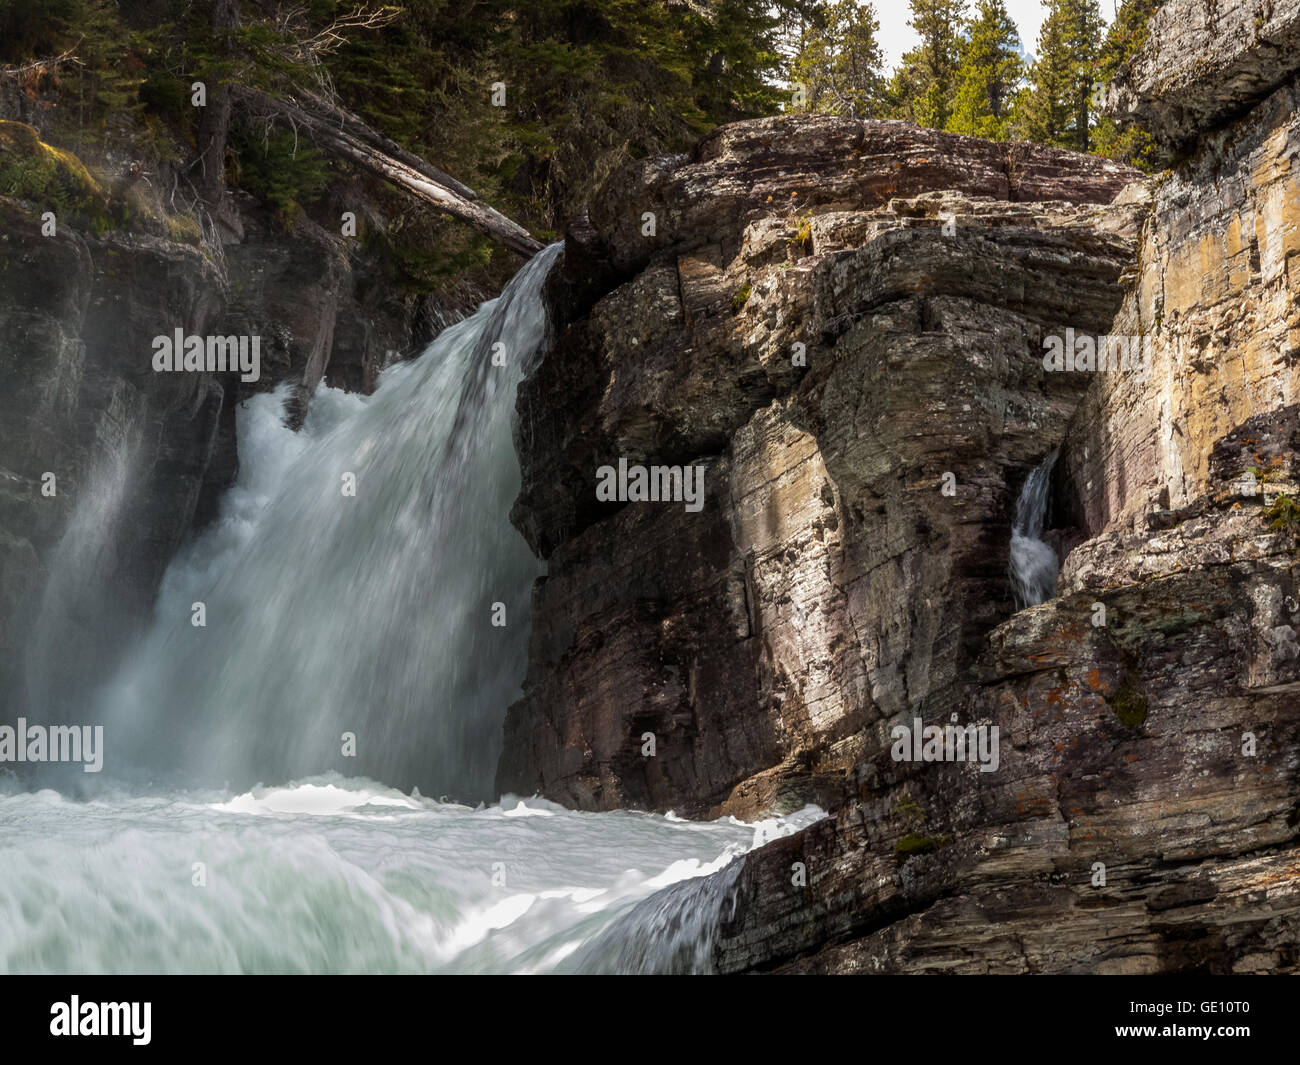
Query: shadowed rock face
871	331
1143	816
81	402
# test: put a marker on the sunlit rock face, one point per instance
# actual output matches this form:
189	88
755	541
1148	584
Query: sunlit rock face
843	323
1214	288
1143	816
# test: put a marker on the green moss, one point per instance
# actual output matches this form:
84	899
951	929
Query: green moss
1283	514
739	300
184	229
1129	704
908	807
49	177
913	844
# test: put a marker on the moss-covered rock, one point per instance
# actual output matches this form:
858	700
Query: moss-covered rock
914	843
53	179
1129	704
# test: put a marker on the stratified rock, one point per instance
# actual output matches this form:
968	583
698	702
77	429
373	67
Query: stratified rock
832	360
1214	295
1143	815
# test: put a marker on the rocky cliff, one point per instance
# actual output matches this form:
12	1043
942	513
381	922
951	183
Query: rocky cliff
844	324
835	319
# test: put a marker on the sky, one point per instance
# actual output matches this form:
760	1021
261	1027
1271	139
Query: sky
896	37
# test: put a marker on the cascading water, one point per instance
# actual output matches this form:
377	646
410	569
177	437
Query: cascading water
370	614
1034	564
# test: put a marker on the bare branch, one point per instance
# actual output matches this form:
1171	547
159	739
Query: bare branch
305	47
41	66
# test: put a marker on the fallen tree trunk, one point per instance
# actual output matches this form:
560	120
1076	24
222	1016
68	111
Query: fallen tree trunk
357	127
347	135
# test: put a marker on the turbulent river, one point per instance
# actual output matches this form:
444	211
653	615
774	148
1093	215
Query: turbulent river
340	875
237	825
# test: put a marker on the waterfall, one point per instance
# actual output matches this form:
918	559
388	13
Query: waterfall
360	620
1034	564
69	646
328	613
671	932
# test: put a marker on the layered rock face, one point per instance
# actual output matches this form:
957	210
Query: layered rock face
1205	63
1217	270
853	357
1142	813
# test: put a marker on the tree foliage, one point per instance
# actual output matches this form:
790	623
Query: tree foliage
924	84
1126	35
585	83
1058	108
838	62
988	74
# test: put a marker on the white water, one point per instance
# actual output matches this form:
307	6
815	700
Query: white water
327	614
1034	564
334	875
368	615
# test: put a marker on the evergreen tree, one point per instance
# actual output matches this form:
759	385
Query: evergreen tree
589	83
1127	34
838	61
988	74
1058	106
922	88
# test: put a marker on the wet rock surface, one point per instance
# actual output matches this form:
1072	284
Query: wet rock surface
141	459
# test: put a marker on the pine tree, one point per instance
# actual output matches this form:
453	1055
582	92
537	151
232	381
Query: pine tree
838	61
923	86
987	76
1058	106
1127	34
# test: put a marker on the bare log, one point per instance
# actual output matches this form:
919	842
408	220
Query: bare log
357	127
336	134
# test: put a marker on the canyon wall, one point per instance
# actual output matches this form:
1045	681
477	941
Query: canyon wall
841	322
1143	814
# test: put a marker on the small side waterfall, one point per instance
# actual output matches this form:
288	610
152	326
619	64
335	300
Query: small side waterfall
1034	564
349	588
